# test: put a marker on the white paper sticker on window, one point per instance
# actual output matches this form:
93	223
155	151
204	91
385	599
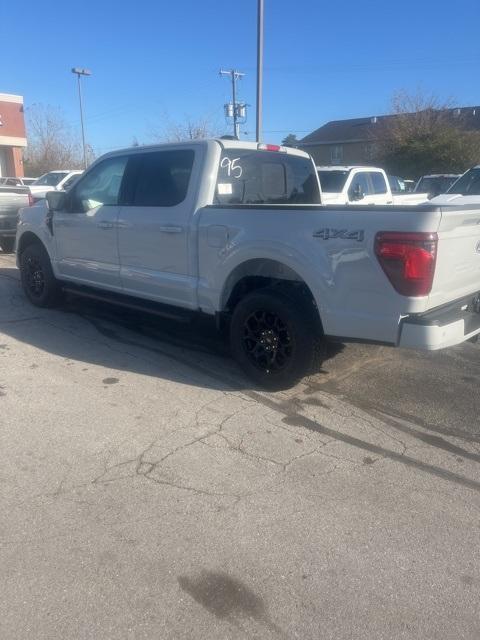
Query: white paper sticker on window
225	189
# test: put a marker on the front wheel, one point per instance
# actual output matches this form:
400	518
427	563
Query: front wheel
7	244
38	282
273	337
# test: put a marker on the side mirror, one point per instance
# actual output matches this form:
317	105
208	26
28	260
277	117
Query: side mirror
357	193
55	200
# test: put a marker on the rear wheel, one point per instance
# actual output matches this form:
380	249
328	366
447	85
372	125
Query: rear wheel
7	244
38	282
273	336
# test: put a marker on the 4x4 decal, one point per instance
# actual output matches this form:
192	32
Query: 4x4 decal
342	234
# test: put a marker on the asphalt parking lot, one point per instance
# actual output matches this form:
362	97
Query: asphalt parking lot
149	491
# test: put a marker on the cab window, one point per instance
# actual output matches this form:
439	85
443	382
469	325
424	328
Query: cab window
158	178
378	182
99	187
361	183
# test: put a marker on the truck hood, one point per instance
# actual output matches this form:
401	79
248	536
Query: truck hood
455	199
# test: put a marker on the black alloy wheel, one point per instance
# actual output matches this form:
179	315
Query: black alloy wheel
273	337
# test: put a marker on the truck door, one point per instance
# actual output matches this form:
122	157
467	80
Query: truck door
156	246
86	231
369	188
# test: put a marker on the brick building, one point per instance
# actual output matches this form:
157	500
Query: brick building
12	135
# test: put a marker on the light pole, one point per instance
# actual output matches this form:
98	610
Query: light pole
82	72
259	68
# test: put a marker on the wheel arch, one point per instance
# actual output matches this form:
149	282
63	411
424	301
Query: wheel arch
259	273
26	239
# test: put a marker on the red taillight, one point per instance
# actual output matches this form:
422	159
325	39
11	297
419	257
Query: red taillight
271	147
408	260
30	200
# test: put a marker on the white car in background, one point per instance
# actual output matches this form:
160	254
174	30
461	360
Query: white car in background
58	180
354	185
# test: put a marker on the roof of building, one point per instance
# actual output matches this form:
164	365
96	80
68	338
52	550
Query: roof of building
368	129
10	97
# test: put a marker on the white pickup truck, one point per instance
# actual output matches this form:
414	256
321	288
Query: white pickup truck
60	180
236	230
361	185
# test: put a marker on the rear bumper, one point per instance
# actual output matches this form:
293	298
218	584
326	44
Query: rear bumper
443	327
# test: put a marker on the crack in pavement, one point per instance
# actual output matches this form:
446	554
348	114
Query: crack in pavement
291	416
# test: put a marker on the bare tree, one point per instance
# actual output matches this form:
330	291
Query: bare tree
189	129
51	143
424	136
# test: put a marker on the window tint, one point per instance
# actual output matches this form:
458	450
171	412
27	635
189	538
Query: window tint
360	179
468	184
265	177
99	186
159	178
378	182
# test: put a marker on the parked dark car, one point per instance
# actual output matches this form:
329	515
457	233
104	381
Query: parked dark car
436	184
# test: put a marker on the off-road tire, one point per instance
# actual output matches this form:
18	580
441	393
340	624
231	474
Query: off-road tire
273	337
38	282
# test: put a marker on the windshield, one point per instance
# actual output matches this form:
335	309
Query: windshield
435	184
333	181
265	177
468	184
50	179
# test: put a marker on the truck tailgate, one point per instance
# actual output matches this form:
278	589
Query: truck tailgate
457	272
12	200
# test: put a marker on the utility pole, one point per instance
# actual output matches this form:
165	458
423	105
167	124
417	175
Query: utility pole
236	110
259	69
82	72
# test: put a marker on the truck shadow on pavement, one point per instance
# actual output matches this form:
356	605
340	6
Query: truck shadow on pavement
116	338
191	354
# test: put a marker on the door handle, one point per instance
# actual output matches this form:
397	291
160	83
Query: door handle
105	225
170	228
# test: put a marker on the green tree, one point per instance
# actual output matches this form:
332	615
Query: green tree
424	137
290	141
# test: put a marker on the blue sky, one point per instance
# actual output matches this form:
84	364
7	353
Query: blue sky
155	61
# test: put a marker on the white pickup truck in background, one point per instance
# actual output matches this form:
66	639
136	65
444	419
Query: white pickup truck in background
58	180
236	230
361	185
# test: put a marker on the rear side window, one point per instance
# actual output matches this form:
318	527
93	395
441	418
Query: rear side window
159	178
265	177
378	182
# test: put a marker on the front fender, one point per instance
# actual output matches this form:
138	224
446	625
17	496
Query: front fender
33	225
